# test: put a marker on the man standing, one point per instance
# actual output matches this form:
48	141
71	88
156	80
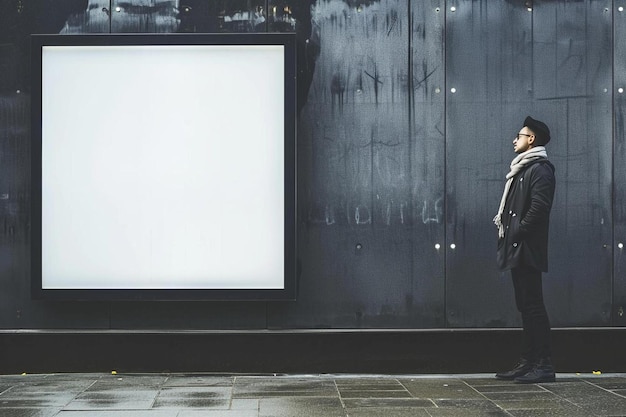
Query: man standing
522	221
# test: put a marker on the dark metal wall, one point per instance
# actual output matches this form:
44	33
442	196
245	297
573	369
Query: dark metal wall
554	63
619	168
407	113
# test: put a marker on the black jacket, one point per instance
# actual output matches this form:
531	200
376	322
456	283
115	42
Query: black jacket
526	218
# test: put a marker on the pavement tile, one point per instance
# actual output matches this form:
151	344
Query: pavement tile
301	407
5	387
574	391
551	412
16	394
51	386
283	387
360	383
244	404
118	413
460	412
218	413
85	405
13	379
44	399
387	412
602	407
483	381
280	383
387	402
391	386
24	404
368	384
70	378
571	388
199	380
538	404
608	383
375	394
482	405
593	399
29	412
483	389
122	381
195	392
441	389
119	395
48	402
220	403
281	394
509	396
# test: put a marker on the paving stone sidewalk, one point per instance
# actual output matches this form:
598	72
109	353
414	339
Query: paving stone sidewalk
195	395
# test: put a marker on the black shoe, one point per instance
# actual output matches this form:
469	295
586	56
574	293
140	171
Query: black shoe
542	372
522	368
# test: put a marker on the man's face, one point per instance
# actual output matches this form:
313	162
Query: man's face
524	140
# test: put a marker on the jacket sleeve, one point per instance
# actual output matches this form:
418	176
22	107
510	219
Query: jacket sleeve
541	196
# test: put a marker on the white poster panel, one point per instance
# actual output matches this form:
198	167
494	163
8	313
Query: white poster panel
163	167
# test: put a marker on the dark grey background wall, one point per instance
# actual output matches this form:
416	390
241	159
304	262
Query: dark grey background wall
407	113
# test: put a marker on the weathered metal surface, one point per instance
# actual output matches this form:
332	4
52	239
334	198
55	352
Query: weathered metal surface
618	91
407	110
505	62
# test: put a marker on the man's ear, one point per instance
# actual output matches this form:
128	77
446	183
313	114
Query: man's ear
531	139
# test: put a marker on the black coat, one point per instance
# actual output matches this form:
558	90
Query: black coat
526	218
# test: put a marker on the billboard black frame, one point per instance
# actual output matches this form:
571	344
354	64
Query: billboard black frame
288	292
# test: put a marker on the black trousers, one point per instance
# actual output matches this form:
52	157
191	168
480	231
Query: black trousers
536	325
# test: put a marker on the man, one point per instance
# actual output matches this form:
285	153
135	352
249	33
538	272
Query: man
522	221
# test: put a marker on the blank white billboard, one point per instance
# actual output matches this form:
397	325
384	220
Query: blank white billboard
162	167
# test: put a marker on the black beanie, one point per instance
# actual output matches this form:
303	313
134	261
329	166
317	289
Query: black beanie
540	129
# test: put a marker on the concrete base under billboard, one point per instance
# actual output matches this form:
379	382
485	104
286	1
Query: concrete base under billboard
301	351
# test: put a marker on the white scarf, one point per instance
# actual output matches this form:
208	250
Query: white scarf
519	162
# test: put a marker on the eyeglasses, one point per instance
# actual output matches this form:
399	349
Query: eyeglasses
521	134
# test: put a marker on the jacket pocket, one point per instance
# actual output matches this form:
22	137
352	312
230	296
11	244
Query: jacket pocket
513	230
